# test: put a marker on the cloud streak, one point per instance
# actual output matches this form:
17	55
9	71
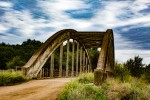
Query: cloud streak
54	15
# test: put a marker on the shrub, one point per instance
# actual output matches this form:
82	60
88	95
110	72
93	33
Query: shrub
122	72
119	90
10	77
86	78
78	90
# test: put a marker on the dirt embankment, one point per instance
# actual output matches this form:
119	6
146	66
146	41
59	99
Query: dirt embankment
47	89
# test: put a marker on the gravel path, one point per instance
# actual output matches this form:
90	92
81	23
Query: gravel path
47	89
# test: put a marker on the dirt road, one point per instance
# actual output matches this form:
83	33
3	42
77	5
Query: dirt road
47	89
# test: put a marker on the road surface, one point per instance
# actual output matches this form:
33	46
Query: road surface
47	89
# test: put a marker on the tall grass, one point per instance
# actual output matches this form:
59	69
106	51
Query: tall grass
11	77
86	78
131	90
79	89
117	88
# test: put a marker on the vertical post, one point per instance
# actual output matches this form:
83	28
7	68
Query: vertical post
67	62
83	61
72	71
99	72
86	65
80	60
77	58
52	65
61	58
42	72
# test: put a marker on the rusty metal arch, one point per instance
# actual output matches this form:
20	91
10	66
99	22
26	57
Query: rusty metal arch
39	58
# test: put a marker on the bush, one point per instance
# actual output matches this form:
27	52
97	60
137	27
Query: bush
122	72
119	90
78	90
10	77
86	78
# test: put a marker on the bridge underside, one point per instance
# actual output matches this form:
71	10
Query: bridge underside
82	62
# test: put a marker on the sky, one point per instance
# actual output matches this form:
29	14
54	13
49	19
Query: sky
39	19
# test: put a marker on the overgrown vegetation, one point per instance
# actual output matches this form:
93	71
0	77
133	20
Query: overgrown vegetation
123	86
11	77
80	89
129	90
17	55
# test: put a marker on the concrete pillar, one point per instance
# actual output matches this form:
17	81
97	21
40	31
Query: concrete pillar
99	72
72	68
52	66
77	58
67	61
80	60
86	65
83	61
61	58
42	72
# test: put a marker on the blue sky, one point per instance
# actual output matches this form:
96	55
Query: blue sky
39	19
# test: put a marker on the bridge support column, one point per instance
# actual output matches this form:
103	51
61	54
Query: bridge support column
67	61
77	58
86	65
52	65
72	69
61	58
83	61
100	73
80	60
42	72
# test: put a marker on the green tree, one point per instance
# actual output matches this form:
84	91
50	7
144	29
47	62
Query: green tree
94	54
16	61
135	66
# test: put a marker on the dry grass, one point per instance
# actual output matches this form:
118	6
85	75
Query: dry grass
132	90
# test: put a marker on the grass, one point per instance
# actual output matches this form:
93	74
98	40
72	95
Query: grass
80	89
113	89
10	77
132	90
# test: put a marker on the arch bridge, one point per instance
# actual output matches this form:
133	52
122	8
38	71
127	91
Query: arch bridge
82	63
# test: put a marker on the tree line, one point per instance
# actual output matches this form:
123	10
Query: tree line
17	55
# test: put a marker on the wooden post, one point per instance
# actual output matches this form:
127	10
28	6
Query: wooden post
52	65
61	58
72	71
67	62
77	58
80	60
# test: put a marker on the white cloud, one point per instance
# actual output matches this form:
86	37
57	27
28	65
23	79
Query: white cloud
3	29
123	55
5	4
104	18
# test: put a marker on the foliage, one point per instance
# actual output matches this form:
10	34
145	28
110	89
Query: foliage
16	61
77	90
9	54
94	54
121	72
11	77
146	76
86	78
133	90
135	66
